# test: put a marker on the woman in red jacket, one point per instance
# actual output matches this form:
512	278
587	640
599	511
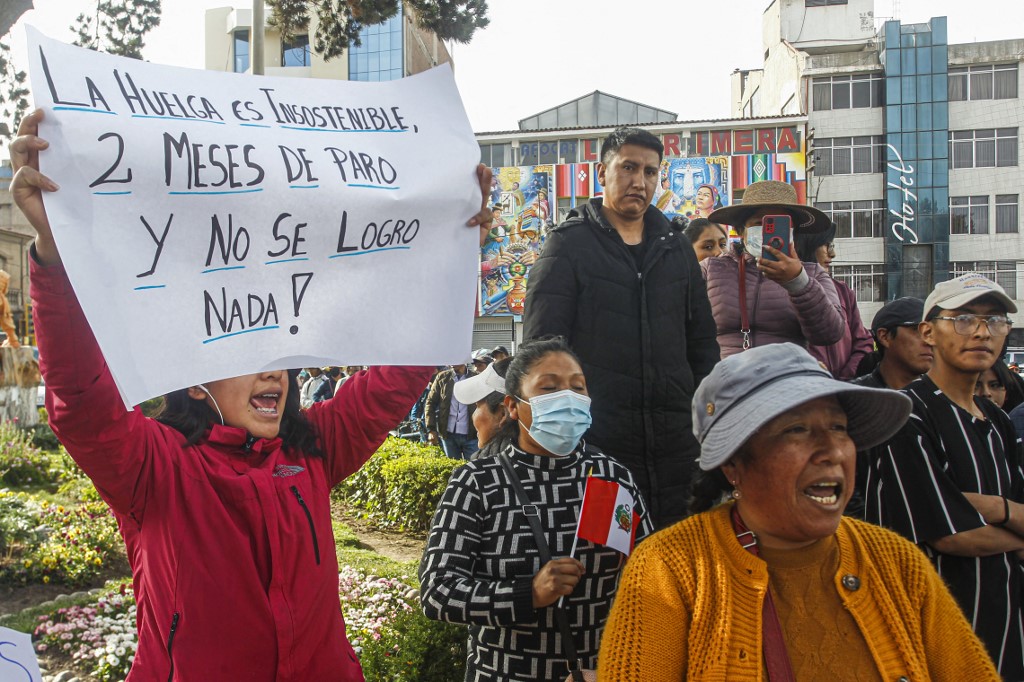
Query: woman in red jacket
223	500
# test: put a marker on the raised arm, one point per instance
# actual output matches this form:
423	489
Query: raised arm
354	423
111	444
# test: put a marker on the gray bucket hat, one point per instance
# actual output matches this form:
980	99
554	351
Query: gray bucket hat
747	390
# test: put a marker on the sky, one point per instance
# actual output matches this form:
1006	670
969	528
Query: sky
671	54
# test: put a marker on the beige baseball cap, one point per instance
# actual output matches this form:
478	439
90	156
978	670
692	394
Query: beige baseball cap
961	290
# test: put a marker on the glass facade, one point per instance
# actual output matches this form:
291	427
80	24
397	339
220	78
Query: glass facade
380	56
241	49
917	157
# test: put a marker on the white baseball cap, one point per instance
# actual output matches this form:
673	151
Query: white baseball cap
479	386
960	291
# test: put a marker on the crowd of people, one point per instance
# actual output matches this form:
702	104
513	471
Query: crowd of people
808	498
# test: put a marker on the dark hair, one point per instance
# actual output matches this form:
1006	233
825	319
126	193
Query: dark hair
680	222
696	228
807	244
637	136
193	417
1010	382
519	366
709	487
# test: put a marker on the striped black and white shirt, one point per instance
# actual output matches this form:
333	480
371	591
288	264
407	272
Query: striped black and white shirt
481	557
915	486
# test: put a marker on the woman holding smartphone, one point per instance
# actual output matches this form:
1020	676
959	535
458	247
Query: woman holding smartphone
760	294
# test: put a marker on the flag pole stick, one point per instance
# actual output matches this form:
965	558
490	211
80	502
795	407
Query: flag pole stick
576	535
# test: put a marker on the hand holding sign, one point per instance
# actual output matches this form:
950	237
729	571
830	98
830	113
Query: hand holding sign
243	224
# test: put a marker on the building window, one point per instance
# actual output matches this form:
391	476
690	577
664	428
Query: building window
991	81
1002	272
848	92
379	56
856	218
295	52
986	148
496	155
968	215
866	281
1006	214
241	50
849	155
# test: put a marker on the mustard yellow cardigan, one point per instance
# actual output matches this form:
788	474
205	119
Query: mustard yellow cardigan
689	608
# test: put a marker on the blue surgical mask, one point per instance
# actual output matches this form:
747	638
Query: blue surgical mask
559	420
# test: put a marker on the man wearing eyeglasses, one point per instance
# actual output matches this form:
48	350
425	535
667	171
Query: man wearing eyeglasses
951	479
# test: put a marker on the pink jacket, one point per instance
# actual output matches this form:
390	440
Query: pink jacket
844	356
230	543
810	315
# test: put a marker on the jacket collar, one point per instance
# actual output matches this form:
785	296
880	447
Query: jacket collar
655	222
234	437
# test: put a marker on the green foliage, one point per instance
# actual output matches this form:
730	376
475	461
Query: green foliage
119	26
415	648
13	94
368	561
340	22
43	437
400	486
414	487
46	542
22	464
344	537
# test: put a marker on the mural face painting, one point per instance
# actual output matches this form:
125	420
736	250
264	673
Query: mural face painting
522	199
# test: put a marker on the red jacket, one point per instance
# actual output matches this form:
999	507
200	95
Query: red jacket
231	547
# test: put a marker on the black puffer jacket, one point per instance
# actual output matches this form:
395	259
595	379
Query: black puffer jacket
646	339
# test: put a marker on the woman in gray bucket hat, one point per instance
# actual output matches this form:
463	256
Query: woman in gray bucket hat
776	583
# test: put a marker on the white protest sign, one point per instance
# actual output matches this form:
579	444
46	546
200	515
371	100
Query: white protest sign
18	661
216	224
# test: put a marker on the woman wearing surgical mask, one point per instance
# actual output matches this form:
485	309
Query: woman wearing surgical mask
757	301
482	565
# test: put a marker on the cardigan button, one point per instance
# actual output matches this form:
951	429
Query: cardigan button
851	582
903	678
743	655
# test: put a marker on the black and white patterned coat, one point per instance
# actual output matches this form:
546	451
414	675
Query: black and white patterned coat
481	557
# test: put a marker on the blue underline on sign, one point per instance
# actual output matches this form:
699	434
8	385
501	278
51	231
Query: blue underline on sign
111	194
86	110
230	267
180	118
334	130
284	260
244	331
361	253
227	191
303	186
372	186
154	286
253	125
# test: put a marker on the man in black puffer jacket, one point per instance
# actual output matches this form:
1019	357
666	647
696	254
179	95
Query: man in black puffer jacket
623	286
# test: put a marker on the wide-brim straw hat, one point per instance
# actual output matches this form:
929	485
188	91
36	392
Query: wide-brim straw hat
777	196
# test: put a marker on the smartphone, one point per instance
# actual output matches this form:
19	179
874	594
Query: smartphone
776	232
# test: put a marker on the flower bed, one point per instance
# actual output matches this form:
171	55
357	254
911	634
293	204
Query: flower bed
99	638
46	542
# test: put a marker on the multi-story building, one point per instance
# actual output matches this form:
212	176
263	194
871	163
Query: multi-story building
396	48
548	165
916	143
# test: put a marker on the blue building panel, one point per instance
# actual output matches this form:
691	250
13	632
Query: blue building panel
917	165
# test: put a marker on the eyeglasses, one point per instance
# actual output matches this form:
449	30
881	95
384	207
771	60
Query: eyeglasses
965	325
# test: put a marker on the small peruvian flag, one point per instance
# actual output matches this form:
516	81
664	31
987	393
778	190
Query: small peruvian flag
607	517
